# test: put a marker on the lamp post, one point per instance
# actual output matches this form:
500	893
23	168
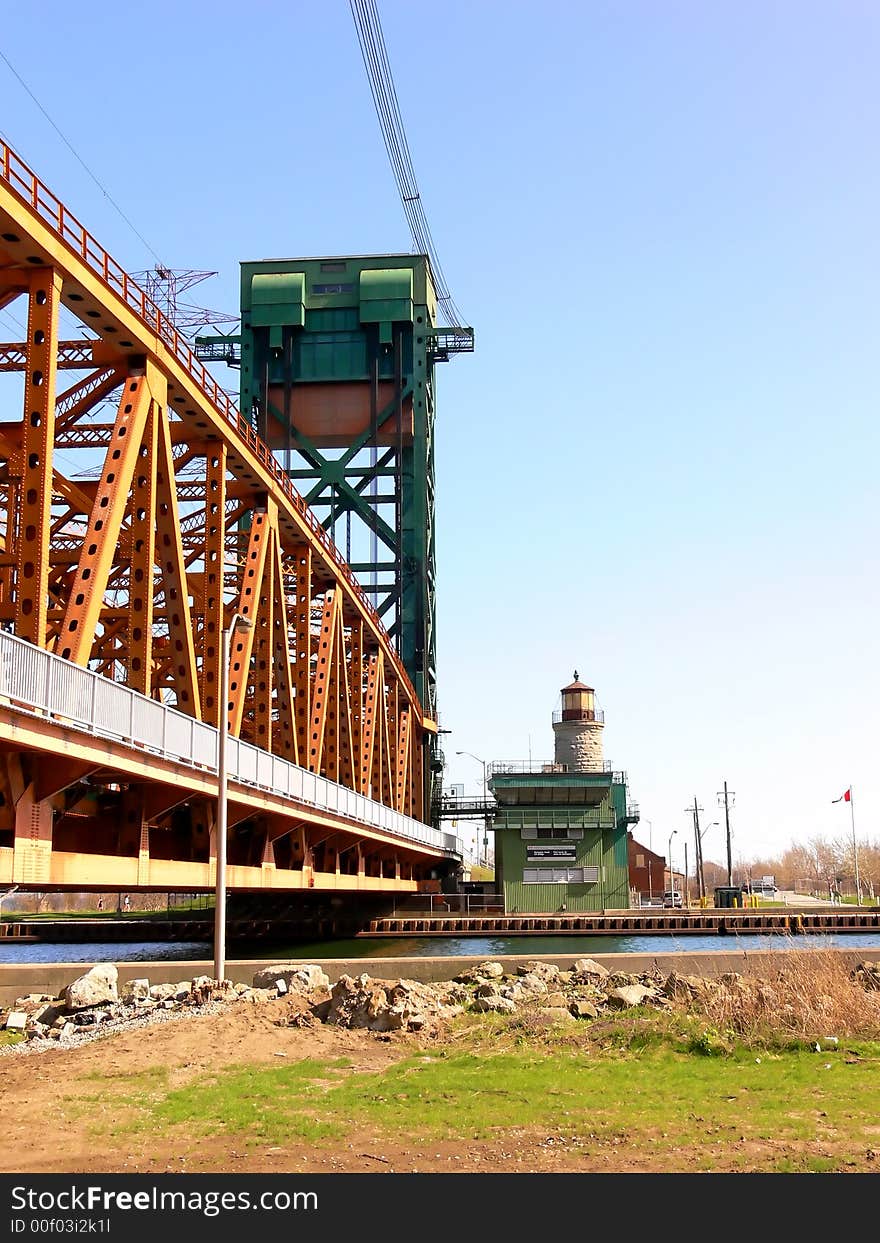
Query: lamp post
222	798
485	800
674	833
703	833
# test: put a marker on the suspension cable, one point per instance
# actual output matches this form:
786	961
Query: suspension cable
375	58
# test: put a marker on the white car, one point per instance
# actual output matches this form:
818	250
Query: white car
672	898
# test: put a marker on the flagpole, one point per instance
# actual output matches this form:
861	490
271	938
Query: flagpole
852	812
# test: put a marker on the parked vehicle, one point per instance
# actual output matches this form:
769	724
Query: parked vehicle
672	898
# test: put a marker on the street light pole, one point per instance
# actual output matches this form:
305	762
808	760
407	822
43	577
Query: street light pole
485	850
674	833
222	801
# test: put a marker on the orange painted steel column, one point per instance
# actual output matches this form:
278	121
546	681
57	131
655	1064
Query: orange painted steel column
284	741
34	534
264	634
403	747
105	522
346	733
169	553
303	632
368	729
212	593
242	643
326	643
357	700
143	561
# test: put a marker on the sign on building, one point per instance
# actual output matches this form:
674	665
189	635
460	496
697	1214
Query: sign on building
551	852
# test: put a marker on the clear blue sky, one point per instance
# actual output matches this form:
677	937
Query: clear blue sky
659	466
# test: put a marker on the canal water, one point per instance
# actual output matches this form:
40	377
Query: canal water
439	947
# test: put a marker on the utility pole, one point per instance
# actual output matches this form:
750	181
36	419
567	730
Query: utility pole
698	859
687	891
729	798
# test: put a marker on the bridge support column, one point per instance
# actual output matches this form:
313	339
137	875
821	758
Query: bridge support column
144	854
267	864
32	848
212	849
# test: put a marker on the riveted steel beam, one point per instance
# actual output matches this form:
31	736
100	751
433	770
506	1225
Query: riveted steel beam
35	491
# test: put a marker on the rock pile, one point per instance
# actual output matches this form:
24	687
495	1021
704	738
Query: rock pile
94	1003
868	975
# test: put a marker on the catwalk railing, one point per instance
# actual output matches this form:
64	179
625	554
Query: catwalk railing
42	684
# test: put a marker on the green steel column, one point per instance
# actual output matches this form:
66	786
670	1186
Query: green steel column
326	335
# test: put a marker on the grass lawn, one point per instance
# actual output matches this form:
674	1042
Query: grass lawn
649	1096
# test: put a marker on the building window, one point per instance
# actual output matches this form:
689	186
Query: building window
640	861
549	834
560	876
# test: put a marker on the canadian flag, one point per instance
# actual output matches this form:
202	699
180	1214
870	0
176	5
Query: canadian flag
844	798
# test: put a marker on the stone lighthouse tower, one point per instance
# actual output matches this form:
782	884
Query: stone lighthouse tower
578	730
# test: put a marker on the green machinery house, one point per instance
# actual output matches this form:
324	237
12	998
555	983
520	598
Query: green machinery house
561	828
337	359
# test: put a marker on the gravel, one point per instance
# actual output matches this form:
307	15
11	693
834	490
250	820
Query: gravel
124	1023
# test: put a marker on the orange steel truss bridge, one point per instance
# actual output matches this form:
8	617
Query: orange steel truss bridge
116	585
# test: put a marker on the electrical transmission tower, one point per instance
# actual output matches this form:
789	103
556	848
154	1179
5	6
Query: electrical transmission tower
165	285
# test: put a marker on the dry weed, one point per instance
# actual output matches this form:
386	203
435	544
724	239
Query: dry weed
811	995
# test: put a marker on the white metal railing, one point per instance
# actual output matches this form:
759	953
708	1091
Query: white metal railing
43	684
528	768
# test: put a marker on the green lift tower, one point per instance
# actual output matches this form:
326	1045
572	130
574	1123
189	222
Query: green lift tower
337	360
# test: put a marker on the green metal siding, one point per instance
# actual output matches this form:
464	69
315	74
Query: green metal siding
603	845
594	850
331	356
386	297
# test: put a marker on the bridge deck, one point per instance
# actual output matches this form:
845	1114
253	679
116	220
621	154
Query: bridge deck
72	722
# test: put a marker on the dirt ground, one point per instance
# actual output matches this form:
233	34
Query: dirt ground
47	1130
60	1109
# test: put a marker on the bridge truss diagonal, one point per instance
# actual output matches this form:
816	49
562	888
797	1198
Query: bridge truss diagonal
130	566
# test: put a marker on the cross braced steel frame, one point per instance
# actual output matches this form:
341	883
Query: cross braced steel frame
134	567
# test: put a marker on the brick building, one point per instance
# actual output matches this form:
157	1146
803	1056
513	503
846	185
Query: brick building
648	874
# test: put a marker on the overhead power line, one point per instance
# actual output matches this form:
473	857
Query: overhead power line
375	57
78	157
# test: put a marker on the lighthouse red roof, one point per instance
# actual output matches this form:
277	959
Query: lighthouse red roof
577	685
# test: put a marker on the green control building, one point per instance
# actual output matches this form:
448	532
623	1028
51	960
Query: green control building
561	828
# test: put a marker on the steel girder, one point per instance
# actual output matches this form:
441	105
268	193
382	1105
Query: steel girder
136	572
